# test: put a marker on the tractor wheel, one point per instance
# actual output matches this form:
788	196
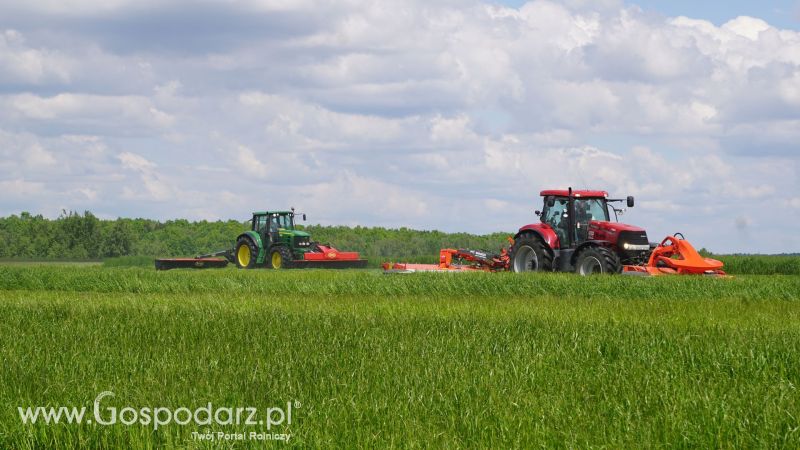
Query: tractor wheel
530	255
597	260
245	253
280	258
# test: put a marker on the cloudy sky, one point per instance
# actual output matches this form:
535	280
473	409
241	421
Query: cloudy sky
435	114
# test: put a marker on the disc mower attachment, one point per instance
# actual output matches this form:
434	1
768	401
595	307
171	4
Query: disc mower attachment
676	256
190	263
472	260
326	257
333	264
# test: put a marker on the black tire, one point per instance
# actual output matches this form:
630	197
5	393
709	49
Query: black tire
280	258
245	253
529	254
597	260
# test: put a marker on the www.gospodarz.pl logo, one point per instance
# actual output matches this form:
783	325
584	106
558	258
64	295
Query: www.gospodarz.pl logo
160	416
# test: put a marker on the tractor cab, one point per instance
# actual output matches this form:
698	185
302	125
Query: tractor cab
278	227
556	214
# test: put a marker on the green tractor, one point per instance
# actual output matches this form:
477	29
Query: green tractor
273	242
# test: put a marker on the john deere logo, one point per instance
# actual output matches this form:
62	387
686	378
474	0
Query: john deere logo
331	255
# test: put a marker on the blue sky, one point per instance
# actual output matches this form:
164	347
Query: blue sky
436	114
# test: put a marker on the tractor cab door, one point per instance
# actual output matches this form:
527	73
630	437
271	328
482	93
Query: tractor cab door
274	225
582	218
556	215
587	210
261	226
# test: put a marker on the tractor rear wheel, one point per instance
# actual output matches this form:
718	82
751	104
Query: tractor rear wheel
597	260
245	253
530	255
280	258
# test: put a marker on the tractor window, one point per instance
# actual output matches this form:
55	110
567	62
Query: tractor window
282	221
260	223
587	210
556	217
590	209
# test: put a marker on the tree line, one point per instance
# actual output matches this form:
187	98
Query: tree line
75	236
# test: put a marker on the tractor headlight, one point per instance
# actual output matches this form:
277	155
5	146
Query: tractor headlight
635	247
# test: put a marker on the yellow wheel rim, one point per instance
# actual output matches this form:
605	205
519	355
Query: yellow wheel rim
243	255
276	260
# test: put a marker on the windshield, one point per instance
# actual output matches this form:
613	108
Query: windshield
281	221
590	209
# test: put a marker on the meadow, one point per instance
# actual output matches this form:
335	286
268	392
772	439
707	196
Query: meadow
419	360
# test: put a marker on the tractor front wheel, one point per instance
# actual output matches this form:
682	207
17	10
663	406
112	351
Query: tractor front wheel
597	260
280	258
245	253
530	255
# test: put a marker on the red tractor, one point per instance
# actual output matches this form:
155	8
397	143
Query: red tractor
575	233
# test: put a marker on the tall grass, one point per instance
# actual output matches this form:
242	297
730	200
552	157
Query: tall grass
375	283
420	360
761	264
129	261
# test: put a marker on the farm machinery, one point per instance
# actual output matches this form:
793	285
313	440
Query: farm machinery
575	233
273	242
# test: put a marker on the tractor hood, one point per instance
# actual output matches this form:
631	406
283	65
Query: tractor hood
295	233
620	234
613	227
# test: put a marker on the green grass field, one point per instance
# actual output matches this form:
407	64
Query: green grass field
421	360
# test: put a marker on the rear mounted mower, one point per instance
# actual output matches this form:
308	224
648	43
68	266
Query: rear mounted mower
273	242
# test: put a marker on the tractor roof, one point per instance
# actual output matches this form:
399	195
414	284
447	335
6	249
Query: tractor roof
261	213
576	193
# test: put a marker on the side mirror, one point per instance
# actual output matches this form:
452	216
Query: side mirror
630	201
537	212
551	201
304	217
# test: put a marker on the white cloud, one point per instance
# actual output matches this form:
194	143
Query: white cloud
89	110
36	156
21	188
152	184
748	27
135	162
350	196
19	63
250	164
